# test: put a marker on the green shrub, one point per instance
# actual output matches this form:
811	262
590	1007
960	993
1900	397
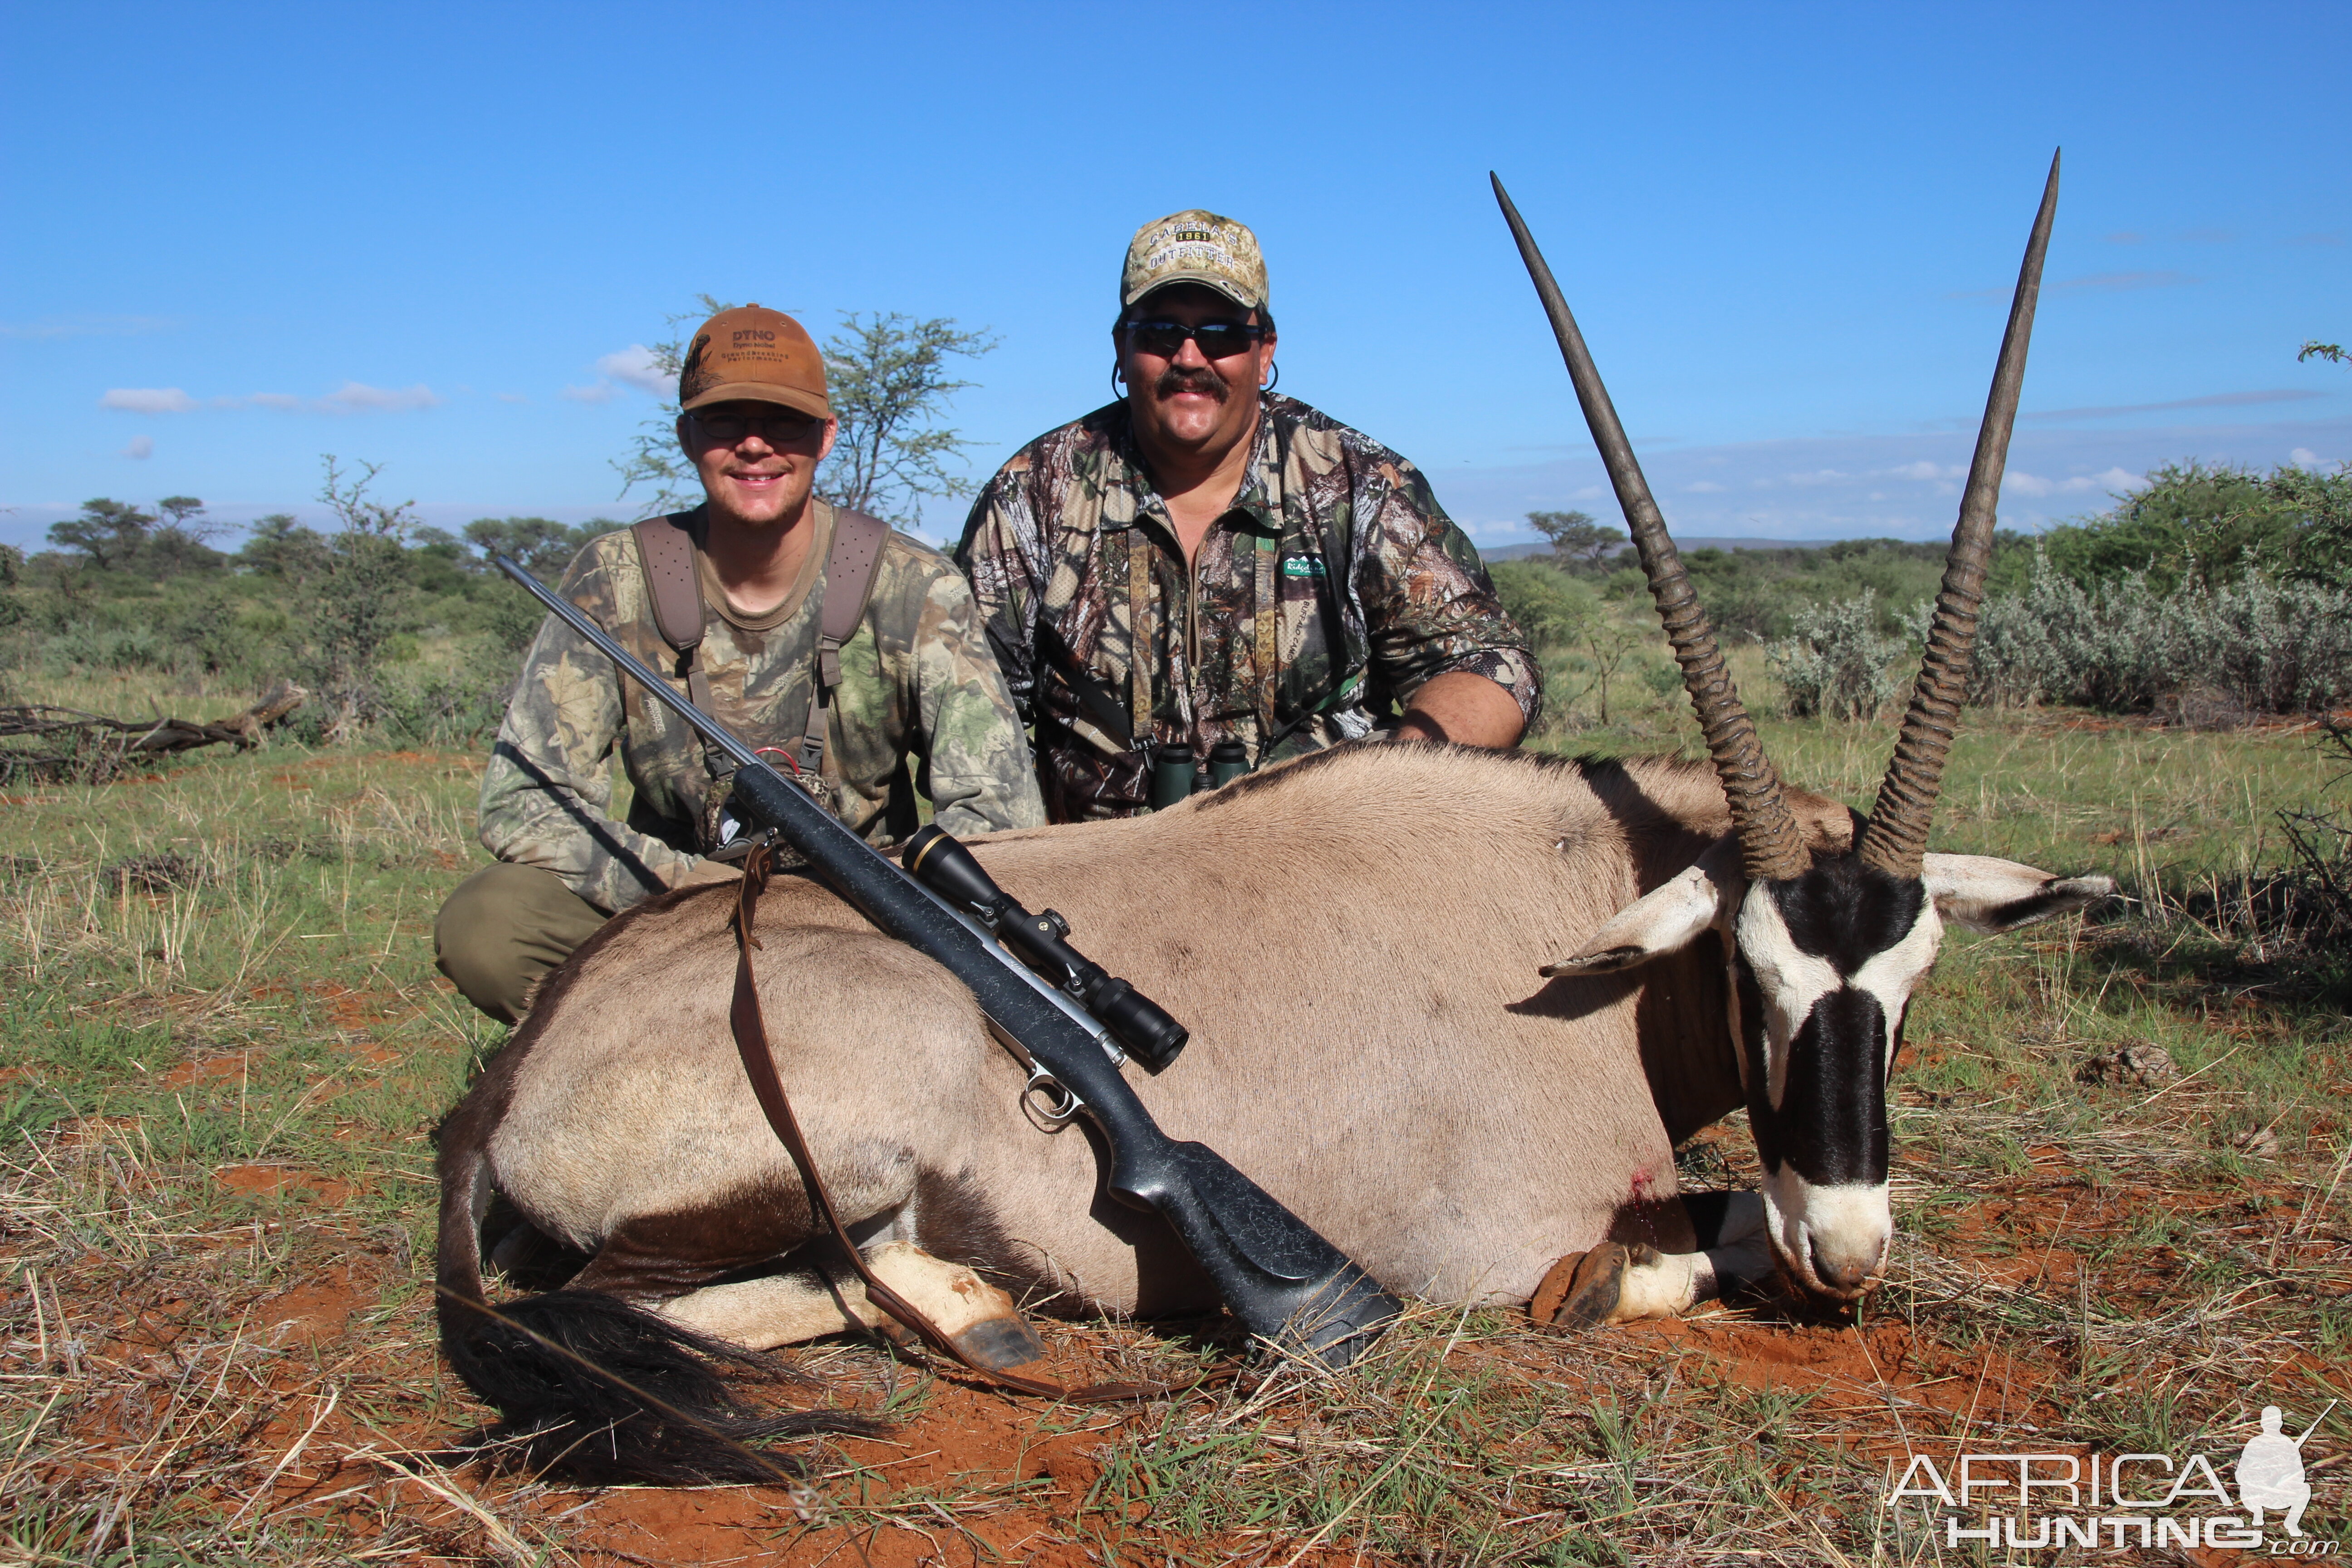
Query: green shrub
1835	665
2266	646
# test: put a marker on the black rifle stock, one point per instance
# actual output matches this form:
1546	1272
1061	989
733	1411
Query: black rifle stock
1283	1281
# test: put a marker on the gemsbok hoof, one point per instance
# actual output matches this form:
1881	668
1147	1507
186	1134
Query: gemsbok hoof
977	1316
1583	1290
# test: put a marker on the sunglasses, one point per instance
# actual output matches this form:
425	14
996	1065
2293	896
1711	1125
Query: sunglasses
784	424
1218	340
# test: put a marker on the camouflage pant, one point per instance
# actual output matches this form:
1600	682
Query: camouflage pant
504	927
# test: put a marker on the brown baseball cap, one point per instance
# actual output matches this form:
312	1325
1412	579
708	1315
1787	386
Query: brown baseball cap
755	353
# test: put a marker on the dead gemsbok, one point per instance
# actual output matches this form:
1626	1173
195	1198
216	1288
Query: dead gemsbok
1366	946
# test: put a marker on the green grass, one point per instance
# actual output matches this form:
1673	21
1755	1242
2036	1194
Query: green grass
217	1085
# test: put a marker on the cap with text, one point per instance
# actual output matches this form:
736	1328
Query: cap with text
757	354
1195	247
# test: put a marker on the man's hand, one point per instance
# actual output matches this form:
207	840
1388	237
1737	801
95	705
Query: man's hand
1465	709
703	871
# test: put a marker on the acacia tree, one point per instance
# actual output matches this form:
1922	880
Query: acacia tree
888	380
363	593
181	543
1576	541
109	533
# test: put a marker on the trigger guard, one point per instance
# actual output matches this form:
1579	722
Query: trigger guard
1047	1102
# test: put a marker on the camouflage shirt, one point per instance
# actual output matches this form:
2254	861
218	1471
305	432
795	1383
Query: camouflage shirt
1335	584
916	681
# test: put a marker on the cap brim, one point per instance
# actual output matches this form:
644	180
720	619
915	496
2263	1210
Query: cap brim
792	397
1205	280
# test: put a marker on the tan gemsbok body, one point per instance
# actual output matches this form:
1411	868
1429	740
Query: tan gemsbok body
1366	945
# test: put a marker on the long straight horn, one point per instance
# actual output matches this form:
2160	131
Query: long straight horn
1896	841
1769	842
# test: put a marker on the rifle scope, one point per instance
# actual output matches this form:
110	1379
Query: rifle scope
1140	1025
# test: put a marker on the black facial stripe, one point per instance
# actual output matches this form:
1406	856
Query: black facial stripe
1750	1044
1846	911
1832	1121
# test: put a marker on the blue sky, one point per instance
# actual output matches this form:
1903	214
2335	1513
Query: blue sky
234	237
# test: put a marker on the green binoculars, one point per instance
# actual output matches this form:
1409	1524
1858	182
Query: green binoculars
1177	774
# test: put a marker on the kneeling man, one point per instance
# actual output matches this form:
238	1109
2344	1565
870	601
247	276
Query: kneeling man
854	651
1205	560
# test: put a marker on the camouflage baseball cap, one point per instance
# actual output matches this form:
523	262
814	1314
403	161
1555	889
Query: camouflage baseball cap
1195	247
755	353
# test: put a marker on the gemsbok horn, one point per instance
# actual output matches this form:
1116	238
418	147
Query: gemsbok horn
1896	841
1770	846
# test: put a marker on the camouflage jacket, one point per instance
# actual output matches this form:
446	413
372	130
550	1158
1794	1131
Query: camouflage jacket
917	681
1368	590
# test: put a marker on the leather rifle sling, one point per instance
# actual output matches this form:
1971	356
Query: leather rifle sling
750	1031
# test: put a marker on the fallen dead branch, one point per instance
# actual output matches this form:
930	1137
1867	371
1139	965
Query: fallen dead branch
69	746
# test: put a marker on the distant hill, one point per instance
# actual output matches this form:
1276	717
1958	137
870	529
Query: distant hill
1524	552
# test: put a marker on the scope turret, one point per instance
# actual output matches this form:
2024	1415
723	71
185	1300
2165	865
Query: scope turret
1143	1029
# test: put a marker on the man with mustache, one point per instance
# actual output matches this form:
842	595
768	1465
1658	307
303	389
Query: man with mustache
1204	560
851	652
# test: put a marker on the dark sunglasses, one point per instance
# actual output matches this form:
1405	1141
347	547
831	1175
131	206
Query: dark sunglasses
784	424
1218	340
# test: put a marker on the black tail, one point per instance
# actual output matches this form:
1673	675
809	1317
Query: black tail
599	1392
586	1386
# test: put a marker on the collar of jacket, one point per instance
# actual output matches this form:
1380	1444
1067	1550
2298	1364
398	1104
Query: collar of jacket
1260	499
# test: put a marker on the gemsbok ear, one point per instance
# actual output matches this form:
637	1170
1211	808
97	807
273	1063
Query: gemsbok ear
1665	920
1994	896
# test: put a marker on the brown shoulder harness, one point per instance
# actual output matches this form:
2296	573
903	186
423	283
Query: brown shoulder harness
665	552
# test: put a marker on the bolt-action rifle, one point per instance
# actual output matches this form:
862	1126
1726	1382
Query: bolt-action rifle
1284	1281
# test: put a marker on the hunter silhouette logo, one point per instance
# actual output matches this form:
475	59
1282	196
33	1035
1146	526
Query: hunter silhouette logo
2270	1472
2029	1501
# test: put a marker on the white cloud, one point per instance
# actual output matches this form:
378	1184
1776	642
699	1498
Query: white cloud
148	400
636	366
1704	488
358	397
351	397
85	327
2304	457
512	397
594	391
2025	484
2121	282
1589	492
140	446
2216	400
1924	469
1819	477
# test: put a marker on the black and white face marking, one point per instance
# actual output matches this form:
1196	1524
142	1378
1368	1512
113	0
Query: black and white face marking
1825	966
1821	971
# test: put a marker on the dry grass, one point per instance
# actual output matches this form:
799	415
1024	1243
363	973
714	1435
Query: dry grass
221	1047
